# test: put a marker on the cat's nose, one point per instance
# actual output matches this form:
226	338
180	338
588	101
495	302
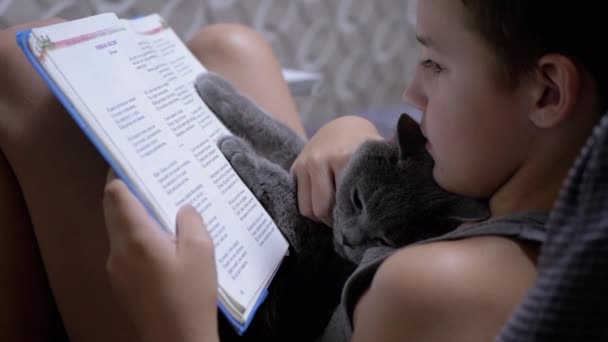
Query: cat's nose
346	242
351	240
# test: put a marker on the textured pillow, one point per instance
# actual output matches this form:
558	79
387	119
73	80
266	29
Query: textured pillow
569	301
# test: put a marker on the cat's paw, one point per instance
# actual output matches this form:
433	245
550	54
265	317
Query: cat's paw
256	172
221	97
237	112
210	85
272	185
231	145
244	161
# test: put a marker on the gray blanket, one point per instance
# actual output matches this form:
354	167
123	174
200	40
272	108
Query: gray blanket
569	300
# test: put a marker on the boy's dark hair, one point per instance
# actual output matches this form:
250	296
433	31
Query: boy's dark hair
521	31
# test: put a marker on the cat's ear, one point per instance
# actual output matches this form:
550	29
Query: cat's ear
466	209
408	137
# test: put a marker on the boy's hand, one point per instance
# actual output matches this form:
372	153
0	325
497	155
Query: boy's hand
168	287
319	165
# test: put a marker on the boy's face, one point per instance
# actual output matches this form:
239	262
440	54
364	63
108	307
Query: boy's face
478	130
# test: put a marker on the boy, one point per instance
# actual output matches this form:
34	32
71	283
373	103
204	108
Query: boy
499	126
509	95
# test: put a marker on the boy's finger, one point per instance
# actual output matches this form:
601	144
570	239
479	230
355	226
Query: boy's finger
110	176
192	235
304	195
322	195
125	216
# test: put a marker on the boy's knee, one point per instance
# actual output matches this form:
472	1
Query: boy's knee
8	46
14	68
221	43
23	96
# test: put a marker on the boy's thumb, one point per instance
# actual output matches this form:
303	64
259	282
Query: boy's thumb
192	234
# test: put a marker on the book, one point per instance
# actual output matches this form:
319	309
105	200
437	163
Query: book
129	85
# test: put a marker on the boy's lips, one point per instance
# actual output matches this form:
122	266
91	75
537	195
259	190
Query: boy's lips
427	143
423	131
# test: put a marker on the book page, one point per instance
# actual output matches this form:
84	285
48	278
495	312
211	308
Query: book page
133	85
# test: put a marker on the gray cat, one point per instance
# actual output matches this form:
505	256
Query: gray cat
386	197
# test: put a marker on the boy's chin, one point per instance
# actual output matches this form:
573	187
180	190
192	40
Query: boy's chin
441	178
445	179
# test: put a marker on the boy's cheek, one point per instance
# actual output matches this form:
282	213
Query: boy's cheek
457	165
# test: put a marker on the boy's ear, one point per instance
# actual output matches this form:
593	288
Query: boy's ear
557	87
409	137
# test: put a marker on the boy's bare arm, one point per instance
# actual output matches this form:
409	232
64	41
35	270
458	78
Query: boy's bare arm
319	165
446	291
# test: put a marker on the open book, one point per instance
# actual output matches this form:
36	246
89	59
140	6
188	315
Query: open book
128	84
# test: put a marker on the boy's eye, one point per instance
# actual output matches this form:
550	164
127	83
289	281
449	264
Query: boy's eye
431	65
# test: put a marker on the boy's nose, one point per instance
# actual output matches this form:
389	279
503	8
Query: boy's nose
414	95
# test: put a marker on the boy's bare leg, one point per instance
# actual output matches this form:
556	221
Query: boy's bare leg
61	178
24	293
51	172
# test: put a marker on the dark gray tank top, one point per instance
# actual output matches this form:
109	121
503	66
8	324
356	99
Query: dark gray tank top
528	226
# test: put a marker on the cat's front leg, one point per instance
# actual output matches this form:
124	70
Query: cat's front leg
269	137
307	287
275	188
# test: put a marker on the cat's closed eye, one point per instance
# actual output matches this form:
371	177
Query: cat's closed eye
356	199
379	241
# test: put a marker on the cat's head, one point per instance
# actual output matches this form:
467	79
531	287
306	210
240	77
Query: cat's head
387	196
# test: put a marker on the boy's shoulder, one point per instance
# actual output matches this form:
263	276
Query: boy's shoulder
468	282
457	260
